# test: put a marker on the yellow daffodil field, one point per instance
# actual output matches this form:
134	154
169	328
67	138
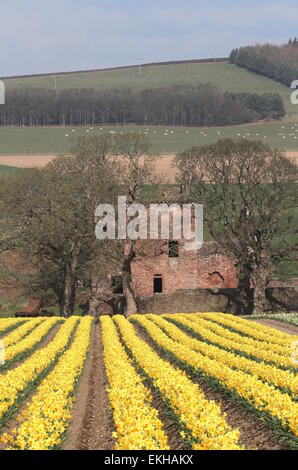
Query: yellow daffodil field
44	383
155	382
245	362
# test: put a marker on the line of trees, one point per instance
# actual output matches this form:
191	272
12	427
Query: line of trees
277	62
201	105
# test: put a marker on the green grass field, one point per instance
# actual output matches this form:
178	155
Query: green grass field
11	309
283	135
7	170
4	169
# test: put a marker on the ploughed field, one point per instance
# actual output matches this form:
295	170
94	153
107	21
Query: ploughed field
180	381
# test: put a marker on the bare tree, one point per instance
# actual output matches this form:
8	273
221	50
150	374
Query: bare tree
127	162
134	171
187	165
249	193
47	219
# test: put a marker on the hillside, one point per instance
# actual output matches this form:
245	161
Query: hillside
223	75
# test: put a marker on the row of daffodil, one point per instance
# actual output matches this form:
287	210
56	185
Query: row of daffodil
136	420
6	324
257	327
15	383
283	379
203	424
264	397
285	350
250	328
30	341
19	333
44	421
219	335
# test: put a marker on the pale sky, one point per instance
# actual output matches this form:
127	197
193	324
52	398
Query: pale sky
40	36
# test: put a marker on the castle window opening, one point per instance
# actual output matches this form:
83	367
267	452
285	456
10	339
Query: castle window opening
173	249
157	280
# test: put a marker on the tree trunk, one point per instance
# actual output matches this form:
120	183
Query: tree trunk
100	287
68	297
130	303
245	306
130	306
260	284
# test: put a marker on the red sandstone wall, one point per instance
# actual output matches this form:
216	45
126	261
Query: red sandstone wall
216	271
191	270
175	274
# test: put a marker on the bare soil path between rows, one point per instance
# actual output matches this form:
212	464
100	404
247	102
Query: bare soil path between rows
254	434
279	325
91	427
